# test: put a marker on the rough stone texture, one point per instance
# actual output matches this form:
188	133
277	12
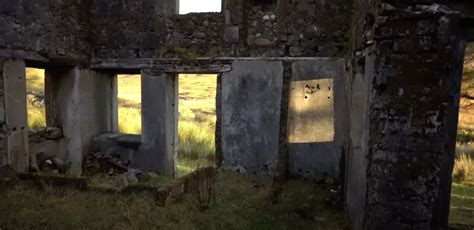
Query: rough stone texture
113	143
317	120
402	56
3	134
48	141
45	29
300	28
415	91
251	95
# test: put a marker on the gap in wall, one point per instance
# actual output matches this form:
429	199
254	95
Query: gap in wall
196	121
462	193
35	95
201	6
129	99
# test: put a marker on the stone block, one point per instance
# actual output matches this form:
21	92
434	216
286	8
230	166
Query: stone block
231	34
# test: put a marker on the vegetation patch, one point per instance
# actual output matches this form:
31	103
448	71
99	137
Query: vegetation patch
462	205
241	203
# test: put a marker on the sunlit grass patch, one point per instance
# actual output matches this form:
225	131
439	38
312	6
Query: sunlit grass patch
130	120
129	103
196	140
34	80
197	118
35	98
36	117
464	167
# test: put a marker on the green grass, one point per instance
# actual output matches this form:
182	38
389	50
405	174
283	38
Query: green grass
242	203
35	84
196	126
129	102
462	205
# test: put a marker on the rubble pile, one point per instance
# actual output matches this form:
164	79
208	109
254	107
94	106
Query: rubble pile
109	164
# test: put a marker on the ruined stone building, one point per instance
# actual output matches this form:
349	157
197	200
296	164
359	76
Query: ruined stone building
363	90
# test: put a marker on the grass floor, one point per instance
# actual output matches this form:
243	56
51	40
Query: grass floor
242	203
462	205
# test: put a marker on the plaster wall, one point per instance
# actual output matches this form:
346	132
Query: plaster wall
317	120
158	151
82	100
250	125
16	116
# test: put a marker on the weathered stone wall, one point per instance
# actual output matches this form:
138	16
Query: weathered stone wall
127	29
194	35
303	28
413	117
43	29
406	63
3	131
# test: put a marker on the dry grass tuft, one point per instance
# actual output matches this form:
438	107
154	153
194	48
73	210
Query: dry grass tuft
35	86
464	166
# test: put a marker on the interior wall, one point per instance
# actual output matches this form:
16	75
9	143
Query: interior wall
14	80
82	104
159	123
250	125
317	118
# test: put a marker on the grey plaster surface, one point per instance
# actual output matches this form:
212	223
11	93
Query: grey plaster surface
317	118
81	103
356	179
159	124
16	114
251	97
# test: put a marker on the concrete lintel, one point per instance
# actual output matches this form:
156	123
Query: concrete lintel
122	64
136	64
195	69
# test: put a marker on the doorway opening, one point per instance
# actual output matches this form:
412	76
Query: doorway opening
35	98
129	100
462	192
196	121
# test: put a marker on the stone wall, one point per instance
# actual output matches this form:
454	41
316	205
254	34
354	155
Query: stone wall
303	28
44	29
3	133
413	117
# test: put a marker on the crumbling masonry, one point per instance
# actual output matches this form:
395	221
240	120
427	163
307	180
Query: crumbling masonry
363	90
